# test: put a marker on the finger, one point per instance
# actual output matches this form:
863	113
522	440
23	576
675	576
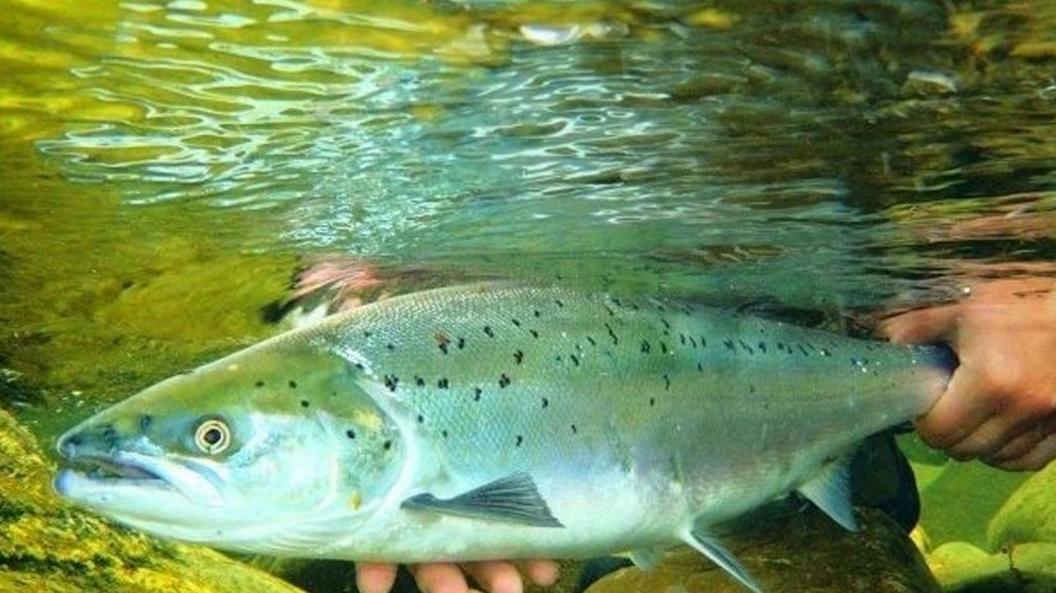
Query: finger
986	440
1036	459
375	578
540	572
958	413
1018	446
923	325
495	576
439	578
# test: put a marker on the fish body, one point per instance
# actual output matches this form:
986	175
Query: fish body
500	421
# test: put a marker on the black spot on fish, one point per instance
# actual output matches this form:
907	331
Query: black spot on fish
645	347
520	440
591	340
536	313
682	339
476	393
421	419
762	347
612	334
442	383
574	359
420	382
700	367
558	358
259	384
461	343
611	312
504	381
746	347
692	342
667	382
729	344
661	307
518	357
488	332
825	352
293	384
577	347
358	365
780	346
574	430
546	403
367	334
350	433
703	342
617	302
666	324
443	433
652	401
802	349
534	333
391	381
516	323
145	421
304	403
390	346
443	347
387	445
558	303
751	388
663	347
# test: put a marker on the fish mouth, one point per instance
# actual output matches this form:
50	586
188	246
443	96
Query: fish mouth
88	476
103	469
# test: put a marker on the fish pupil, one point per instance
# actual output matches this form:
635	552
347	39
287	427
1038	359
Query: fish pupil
212	436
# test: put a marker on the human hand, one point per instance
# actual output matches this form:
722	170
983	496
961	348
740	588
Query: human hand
1000	404
494	576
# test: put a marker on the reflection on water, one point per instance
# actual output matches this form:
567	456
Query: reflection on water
828	154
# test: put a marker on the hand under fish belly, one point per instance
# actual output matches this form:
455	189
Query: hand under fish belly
569	425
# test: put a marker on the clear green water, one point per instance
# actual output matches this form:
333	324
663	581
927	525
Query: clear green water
164	165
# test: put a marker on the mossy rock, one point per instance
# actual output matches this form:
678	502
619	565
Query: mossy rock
1029	515
799	553
46	545
963	568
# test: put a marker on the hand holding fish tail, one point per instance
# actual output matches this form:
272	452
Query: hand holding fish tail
493	576
1000	405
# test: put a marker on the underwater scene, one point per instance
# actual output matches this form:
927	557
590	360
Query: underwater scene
681	234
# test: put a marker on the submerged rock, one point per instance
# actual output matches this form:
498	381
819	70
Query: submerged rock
963	568
46	545
803	552
1029	514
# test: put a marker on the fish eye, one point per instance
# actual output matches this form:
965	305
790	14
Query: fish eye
212	436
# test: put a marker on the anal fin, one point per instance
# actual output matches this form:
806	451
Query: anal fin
512	499
830	491
718	554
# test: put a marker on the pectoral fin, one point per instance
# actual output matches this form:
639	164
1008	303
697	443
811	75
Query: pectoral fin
718	554
513	499
647	558
830	491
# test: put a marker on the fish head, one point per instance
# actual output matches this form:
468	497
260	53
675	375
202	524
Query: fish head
246	453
